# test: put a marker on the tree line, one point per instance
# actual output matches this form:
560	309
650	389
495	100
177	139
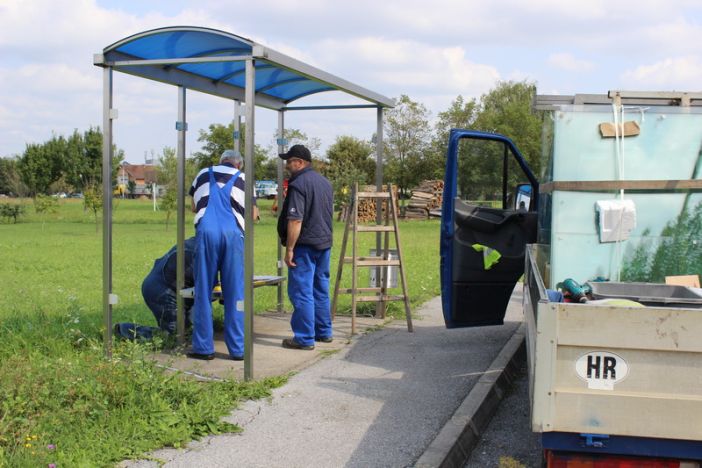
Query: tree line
414	149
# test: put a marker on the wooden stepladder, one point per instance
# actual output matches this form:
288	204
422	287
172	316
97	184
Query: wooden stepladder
381	260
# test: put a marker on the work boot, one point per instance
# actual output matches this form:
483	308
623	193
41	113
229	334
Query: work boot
290	343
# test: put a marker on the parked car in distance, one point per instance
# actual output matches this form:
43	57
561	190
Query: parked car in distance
266	189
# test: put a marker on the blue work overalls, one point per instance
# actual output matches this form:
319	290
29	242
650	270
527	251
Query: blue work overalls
220	247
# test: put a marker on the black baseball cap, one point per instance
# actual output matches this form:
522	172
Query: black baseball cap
297	151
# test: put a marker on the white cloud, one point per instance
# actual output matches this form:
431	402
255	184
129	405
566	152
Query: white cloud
432	54
408	67
568	62
681	73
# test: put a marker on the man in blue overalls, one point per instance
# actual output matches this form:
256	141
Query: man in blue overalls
305	229
218	204
159	292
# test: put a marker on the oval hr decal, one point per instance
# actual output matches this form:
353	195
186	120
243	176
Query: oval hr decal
601	369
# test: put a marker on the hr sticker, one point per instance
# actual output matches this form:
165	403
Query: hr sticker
601	369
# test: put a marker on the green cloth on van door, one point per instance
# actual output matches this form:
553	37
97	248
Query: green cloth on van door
490	256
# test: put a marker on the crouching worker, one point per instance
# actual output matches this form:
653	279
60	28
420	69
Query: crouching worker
159	290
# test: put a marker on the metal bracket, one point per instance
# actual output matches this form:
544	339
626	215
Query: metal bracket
181	126
591	440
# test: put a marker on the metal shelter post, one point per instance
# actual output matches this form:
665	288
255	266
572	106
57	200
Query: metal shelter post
380	306
181	127
108	114
237	125
282	143
250	93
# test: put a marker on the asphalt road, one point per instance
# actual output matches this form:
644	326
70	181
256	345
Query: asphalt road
508	441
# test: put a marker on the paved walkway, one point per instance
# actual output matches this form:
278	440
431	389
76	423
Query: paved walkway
380	401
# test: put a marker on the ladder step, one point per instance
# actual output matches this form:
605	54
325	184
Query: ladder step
370	261
373	194
350	291
379	298
376	228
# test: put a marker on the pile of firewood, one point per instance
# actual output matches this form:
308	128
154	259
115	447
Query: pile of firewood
425	199
366	206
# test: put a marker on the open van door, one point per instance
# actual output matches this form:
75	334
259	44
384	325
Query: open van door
488	216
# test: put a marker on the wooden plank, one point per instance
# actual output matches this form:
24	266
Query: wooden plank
630	185
373	195
627	129
691	281
376	228
378	263
385	298
350	291
350	259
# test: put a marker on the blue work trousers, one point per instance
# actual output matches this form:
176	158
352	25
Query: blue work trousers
308	290
162	302
220	248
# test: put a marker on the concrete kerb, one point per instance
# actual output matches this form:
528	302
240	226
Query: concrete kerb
453	445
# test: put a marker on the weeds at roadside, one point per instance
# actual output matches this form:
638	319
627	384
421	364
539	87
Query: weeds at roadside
68	405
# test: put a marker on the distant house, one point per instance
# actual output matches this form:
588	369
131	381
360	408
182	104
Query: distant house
143	176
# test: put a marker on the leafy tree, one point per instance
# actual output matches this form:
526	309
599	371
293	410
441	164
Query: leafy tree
268	169
167	177
77	160
507	109
349	161
407	130
460	114
131	188
298	137
219	138
45	204
40	165
10	178
92	200
11	211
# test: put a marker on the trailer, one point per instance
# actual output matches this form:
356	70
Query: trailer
610	385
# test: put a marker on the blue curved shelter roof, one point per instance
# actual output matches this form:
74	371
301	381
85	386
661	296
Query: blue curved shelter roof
214	62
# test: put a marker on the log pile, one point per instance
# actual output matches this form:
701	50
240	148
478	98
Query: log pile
426	197
366	206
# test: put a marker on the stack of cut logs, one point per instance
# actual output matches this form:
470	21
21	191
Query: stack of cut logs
425	199
366	206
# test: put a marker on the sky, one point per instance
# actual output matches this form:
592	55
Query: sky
430	51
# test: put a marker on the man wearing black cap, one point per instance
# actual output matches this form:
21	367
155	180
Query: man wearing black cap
305	229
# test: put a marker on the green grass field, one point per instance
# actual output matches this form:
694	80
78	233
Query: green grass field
51	360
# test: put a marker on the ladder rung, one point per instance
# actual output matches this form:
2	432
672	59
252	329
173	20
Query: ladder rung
379	298
373	194
365	261
349	259
350	290
376	228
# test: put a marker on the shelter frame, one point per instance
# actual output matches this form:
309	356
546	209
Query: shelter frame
165	69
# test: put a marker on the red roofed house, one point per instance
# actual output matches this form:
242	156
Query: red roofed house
143	176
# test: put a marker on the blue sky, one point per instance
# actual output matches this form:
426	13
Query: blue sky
431	51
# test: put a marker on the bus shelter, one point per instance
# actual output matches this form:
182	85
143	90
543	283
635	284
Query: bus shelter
232	67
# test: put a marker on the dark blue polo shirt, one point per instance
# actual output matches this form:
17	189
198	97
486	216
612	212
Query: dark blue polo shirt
310	199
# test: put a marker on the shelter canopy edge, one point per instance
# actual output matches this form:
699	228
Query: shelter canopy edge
213	62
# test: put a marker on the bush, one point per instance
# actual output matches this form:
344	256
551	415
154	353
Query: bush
11	211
